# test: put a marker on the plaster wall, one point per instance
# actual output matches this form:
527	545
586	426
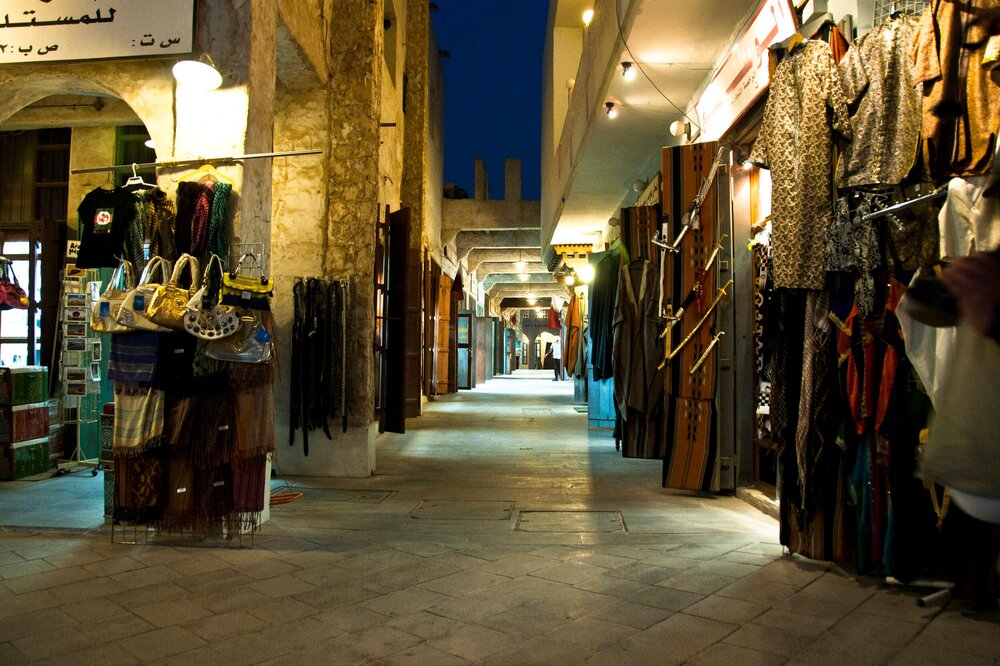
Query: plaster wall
89	147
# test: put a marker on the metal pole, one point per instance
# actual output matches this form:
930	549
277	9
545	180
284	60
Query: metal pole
176	164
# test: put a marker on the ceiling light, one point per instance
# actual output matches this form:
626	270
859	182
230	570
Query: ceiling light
679	128
523	277
520	265
569	279
611	110
531	299
628	71
586	273
199	74
588	16
149	144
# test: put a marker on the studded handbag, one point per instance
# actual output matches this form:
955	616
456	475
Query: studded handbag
252	343
204	316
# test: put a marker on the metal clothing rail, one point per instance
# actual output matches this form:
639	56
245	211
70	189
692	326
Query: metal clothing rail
174	164
903	205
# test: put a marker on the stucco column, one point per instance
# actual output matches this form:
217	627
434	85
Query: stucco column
416	132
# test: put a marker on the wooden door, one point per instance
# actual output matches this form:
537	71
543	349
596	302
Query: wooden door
412	335
442	336
466	351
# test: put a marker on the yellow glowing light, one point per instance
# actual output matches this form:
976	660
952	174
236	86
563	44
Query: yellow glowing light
586	273
588	16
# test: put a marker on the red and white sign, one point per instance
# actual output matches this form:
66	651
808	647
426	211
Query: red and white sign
744	73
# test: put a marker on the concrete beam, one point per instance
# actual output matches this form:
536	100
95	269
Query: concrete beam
477	257
487	214
513	278
524	239
487	268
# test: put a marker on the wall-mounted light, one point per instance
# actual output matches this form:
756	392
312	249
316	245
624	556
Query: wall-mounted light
200	74
628	71
679	128
569	279
611	109
613	222
586	273
639	186
149	144
739	156
588	16
531	299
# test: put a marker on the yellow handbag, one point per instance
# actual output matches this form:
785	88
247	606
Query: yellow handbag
246	291
169	304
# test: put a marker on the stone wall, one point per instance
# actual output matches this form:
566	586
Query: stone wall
89	147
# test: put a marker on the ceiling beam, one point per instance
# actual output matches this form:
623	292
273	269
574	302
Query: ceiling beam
487	215
487	268
515	278
523	239
478	256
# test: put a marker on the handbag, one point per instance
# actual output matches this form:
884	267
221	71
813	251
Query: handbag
252	343
247	291
12	297
132	314
104	315
204	316
168	306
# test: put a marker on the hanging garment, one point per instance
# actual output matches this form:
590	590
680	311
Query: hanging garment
603	291
637	353
961	93
151	230
885	123
217	221
105	217
805	107
852	245
194	210
571	338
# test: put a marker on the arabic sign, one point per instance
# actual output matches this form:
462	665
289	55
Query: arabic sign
38	31
744	73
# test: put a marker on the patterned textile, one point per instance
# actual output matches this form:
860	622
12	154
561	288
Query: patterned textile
885	104
961	97
154	222
852	245
806	105
138	421
217	224
133	358
139	486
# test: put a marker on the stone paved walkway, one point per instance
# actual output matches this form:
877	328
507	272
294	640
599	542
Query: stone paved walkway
497	531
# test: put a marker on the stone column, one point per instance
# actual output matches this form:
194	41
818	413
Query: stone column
512	179
482	182
415	134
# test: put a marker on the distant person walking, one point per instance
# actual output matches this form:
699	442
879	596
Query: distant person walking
556	360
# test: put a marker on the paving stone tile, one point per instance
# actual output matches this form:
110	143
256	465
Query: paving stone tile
161	643
642	572
326	575
792	571
729	569
629	614
45	580
804	603
353	618
666	598
597	558
952	631
764	548
634	652
769	639
285	609
702	551
379	642
516	565
472	642
52	643
24	568
202	655
925	654
117	628
496	552
150	575
839	589
83	590
540	651
474	608
669	560
289	637
334	596
695	580
898	605
281	586
220	626
611	586
748	558
757	591
148	595
26	603
36	622
330	652
801	623
250	649
724	654
168	613
833	650
108	654
529	620
725	609
404	602
400	578
92	610
570	572
72	558
112	566
424	624
686	635
422	655
464	583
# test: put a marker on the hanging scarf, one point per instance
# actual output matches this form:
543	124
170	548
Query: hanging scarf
133	358
217	223
200	221
154	222
193	204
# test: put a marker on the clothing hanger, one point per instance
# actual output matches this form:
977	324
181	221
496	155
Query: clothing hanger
207	171
894	11
135	180
804	33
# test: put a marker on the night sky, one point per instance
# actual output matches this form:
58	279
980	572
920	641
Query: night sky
493	88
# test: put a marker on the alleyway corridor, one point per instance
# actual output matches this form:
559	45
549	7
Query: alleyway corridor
497	530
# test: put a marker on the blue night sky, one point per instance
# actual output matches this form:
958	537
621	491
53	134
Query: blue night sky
493	88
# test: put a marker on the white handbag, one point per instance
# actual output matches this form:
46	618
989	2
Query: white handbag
132	314
104	315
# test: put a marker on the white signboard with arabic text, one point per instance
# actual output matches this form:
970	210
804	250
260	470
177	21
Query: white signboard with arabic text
38	31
